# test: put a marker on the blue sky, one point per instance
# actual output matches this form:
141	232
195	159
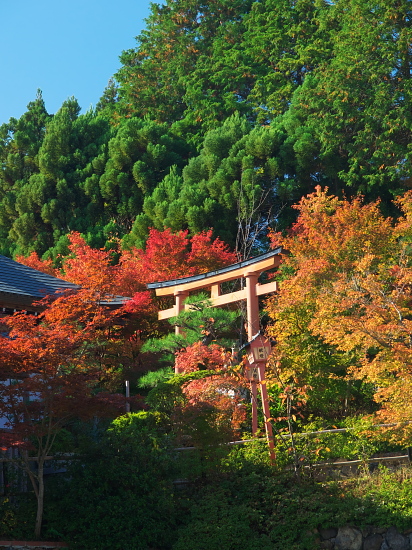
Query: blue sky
65	48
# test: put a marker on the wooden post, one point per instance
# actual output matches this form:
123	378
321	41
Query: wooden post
252	305
127	384
253	327
252	308
266	413
253	391
215	291
180	297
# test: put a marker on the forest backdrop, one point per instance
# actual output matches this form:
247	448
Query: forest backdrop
223	115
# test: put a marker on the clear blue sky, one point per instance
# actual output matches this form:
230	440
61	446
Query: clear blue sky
65	48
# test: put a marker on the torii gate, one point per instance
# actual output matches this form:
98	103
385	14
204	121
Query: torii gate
249	270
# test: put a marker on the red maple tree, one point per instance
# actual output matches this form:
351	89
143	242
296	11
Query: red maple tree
53	368
169	256
166	256
217	395
45	266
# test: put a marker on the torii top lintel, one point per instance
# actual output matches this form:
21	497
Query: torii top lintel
248	269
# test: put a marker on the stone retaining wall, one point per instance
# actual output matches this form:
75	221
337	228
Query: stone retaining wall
372	538
344	538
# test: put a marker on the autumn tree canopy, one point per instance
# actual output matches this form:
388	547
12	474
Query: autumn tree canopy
81	344
343	312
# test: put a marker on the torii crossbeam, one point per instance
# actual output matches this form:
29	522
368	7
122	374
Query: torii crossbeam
249	270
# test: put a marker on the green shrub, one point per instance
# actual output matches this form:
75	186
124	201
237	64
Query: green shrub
17	515
120	497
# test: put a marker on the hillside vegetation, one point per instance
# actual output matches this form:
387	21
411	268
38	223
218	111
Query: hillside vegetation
223	115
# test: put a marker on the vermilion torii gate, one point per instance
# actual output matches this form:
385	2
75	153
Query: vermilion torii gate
250	271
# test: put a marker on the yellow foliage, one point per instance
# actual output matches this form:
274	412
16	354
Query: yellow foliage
349	296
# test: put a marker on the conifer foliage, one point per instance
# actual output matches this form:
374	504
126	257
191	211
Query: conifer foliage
223	112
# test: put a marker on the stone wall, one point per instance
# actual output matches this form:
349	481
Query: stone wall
344	538
352	538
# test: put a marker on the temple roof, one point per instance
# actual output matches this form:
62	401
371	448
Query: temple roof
21	285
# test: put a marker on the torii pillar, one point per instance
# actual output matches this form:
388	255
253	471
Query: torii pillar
253	328
250	270
180	297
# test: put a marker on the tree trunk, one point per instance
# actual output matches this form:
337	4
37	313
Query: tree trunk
40	500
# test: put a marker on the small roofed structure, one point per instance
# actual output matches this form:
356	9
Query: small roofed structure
21	286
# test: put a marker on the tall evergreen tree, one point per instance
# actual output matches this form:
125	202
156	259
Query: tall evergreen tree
153	76
140	155
20	141
240	177
351	121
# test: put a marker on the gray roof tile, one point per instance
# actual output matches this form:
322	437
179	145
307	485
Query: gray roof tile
22	280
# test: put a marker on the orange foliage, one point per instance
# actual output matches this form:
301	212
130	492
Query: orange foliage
167	256
199	355
206	255
352	289
170	256
50	368
89	267
45	266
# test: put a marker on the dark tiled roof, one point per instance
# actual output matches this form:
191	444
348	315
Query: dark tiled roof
21	280
22	285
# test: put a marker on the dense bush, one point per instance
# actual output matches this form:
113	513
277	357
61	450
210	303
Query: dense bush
251	510
121	495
